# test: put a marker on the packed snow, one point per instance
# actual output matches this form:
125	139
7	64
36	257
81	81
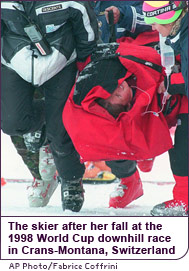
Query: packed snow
157	185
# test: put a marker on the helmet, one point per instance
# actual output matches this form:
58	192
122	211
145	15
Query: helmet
162	12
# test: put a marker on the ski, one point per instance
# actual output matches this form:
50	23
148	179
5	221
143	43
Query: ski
94	180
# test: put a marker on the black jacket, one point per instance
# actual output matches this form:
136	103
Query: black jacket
70	27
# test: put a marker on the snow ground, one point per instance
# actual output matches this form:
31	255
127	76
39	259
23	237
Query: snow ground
157	186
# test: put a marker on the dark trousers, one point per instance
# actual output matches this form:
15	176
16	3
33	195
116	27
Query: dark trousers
179	154
122	168
21	114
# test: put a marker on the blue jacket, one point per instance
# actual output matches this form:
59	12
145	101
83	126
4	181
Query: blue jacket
180	45
131	22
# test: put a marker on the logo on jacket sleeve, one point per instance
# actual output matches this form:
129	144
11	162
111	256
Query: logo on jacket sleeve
51	8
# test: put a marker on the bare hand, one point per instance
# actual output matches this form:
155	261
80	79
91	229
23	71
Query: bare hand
162	89
116	13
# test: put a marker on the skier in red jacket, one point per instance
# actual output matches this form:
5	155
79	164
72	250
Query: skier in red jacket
140	133
121	100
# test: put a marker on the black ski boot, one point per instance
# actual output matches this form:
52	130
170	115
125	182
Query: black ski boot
72	194
35	140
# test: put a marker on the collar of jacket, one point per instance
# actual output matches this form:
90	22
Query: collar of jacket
181	33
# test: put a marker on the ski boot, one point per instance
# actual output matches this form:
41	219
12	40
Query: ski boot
129	189
178	206
170	208
35	140
72	194
40	192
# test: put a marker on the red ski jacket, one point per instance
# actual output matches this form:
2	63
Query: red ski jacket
134	135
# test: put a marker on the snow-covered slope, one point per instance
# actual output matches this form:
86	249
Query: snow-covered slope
157	185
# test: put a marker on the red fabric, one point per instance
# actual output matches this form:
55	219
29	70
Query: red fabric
180	190
178	58
133	135
141	39
177	78
145	165
81	65
3	182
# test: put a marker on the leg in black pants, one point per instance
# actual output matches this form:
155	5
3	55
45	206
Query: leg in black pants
122	168
56	92
179	160
20	114
66	158
178	155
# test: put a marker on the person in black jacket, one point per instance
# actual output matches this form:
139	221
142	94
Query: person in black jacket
170	19
42	41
